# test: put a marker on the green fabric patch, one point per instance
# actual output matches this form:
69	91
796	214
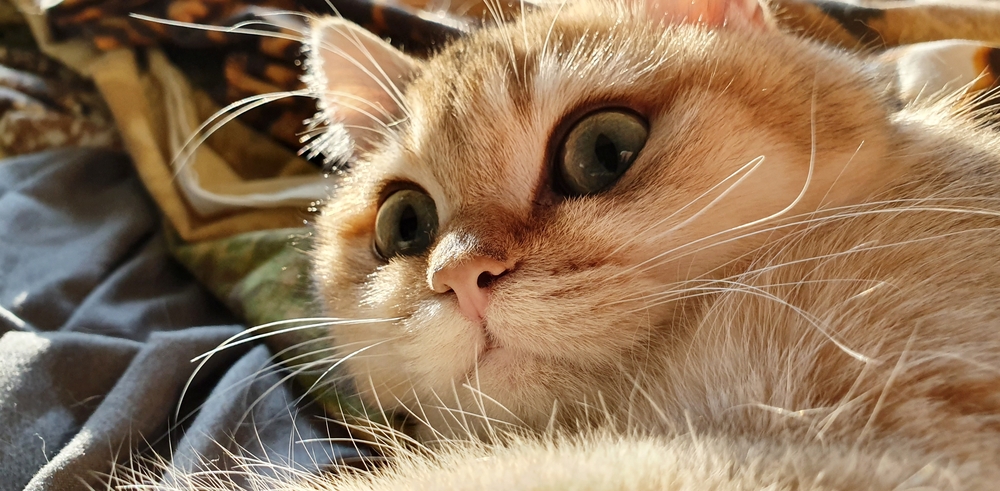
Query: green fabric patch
264	278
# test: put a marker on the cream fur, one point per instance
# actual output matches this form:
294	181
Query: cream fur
824	317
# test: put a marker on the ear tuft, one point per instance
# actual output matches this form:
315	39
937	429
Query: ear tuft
357	80
713	13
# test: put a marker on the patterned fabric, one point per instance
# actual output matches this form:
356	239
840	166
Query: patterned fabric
263	277
234	203
250	64
44	105
873	25
938	48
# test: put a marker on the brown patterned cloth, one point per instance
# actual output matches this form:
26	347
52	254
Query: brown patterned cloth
111	24
877	25
44	105
252	64
939	48
260	64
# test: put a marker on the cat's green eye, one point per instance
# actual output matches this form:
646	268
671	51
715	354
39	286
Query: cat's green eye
405	224
598	149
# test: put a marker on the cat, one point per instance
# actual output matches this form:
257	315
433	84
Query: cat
628	244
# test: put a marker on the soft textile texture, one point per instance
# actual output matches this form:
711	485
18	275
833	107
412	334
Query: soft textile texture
98	327
43	104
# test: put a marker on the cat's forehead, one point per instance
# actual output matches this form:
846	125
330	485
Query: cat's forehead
483	113
484	117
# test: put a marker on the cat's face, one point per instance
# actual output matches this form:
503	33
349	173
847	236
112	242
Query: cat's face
536	226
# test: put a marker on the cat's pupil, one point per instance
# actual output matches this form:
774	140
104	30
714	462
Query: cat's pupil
405	224
598	149
408	223
606	152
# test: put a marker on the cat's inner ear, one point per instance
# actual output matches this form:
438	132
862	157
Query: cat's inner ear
358	80
713	13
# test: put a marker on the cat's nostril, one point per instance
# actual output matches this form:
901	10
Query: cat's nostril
486	279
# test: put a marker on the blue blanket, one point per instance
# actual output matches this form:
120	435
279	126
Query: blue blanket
98	327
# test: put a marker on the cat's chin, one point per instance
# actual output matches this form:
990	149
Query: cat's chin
500	384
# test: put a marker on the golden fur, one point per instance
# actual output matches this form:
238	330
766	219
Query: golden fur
794	286
836	300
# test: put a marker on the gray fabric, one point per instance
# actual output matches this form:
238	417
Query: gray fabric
98	327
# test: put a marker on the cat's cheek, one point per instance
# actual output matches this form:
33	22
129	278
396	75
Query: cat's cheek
362	352
440	344
427	353
767	169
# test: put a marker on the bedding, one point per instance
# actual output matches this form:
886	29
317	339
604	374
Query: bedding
126	252
98	327
98	320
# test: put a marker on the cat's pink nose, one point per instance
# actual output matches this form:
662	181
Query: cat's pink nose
470	279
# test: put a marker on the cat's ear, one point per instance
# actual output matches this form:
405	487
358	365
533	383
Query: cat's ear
357	79
713	13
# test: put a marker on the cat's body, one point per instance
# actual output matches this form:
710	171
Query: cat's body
793	285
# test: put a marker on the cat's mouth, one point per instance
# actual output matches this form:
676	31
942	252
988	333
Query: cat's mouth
489	347
490	343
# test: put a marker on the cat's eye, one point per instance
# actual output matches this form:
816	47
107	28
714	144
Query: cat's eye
405	224
598	149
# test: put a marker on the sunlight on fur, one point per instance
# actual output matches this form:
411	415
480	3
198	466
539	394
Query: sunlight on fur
773	275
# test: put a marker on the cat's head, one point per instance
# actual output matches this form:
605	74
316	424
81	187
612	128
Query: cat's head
534	214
